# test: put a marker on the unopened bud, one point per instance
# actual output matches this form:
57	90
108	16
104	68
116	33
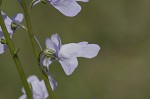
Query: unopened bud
49	53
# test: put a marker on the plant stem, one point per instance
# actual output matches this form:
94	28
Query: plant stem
15	58
31	35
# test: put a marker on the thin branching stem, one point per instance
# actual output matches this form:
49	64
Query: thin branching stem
33	41
15	58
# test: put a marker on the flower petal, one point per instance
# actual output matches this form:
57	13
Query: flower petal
69	50
18	18
56	39
53	83
88	50
46	62
69	65
23	97
9	29
83	0
37	92
67	7
83	43
81	49
50	45
44	89
32	78
7	20
2	48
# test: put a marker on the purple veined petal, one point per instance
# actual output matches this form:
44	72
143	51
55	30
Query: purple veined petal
18	18
9	29
88	51
46	62
56	39
69	65
53	83
7	20
36	88
83	0
44	89
67	7
69	50
50	45
23	97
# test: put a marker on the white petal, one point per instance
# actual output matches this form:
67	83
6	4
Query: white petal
69	65
22	89
81	49
50	45
36	88
37	96
44	89
67	7
7	20
23	97
56	39
2	48
39	90
88	51
53	83
69	50
83	0
32	78
46	62
10	31
83	43
18	18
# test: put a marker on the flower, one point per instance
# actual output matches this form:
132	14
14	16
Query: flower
11	25
38	88
67	7
67	54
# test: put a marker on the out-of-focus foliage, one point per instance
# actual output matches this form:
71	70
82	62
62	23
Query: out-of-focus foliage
120	71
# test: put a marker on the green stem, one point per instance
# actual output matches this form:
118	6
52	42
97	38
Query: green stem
15	57
31	35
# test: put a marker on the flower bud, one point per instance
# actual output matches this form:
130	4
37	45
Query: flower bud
49	53
3	41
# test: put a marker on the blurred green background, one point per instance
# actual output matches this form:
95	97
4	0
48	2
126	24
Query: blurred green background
120	71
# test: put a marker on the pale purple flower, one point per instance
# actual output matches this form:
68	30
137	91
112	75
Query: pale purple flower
67	54
11	27
67	7
38	88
